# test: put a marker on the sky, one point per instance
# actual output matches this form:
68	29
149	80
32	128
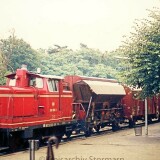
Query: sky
100	24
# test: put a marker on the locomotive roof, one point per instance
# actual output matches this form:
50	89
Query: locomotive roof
50	76
37	75
109	88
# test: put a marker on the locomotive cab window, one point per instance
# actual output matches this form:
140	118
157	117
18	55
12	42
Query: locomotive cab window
12	82
53	85
36	82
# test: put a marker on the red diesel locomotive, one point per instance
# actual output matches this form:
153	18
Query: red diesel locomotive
31	105
34	105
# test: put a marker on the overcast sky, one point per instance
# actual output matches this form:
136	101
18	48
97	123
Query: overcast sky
100	24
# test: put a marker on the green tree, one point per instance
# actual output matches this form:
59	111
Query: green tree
16	52
143	51
3	69
84	61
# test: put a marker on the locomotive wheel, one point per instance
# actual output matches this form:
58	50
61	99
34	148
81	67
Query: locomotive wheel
59	138
15	143
68	134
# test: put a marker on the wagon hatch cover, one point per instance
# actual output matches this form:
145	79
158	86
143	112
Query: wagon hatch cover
105	88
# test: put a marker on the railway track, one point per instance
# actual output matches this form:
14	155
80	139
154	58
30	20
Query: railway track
64	140
74	137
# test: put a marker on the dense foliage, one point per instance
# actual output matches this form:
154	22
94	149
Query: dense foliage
56	60
85	61
143	51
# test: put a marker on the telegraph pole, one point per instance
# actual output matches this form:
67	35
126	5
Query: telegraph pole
146	117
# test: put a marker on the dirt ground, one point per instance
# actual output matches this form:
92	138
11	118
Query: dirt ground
121	145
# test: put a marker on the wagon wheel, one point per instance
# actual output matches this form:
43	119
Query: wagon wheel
158	116
131	123
149	119
97	128
115	126
88	132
